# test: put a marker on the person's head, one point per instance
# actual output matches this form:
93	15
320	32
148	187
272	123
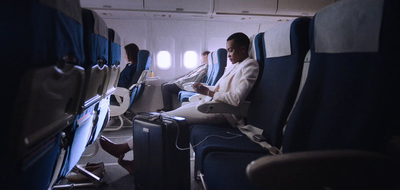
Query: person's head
237	46
131	52
204	57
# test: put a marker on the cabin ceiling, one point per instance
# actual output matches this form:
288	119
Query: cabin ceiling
239	10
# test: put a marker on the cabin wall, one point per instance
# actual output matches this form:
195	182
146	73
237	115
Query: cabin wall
175	36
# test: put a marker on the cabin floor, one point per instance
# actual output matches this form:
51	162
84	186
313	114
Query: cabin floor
115	176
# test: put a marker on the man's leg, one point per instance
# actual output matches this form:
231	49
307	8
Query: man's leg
167	90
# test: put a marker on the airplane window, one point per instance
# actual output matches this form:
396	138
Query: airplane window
190	59
164	60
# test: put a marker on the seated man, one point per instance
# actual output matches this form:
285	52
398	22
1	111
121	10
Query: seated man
232	88
173	87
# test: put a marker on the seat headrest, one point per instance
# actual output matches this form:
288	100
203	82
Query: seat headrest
100	26
252	48
277	40
113	36
348	26
71	8
219	55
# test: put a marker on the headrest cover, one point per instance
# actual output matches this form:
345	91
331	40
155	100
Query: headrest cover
348	26
71	8
252	48
209	59
215	57
117	39
277	40
100	26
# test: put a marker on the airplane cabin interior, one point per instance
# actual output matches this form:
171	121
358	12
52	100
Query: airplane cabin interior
321	112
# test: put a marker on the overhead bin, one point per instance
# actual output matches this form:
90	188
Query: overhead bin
115	4
243	7
301	7
190	6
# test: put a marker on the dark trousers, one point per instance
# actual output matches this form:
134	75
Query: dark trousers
167	90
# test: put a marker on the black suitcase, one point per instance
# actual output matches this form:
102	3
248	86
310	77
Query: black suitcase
159	163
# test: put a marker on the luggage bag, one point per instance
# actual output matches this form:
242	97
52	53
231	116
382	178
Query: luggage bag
161	153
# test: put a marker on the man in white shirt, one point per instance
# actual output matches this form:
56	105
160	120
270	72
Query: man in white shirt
173	87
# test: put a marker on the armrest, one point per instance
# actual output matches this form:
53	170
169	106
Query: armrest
338	169
120	92
219	107
197	98
122	95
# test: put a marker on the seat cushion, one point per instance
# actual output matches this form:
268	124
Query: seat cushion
210	138
227	170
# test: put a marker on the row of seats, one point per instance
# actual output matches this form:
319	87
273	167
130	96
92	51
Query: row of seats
125	97
216	65
323	110
60	65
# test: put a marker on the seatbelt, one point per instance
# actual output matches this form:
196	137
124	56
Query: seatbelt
255	135
304	75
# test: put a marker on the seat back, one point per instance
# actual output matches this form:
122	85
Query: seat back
349	100
114	60
210	70
286	46
256	52
95	42
41	46
143	64
219	58
96	51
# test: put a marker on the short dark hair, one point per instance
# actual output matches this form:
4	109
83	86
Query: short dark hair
131	52
205	53
240	39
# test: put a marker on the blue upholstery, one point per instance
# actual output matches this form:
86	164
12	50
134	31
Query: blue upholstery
215	71
219	138
84	128
270	106
114	60
257	53
348	108
144	61
210	69
349	100
110	84
231	173
200	132
40	47
219	59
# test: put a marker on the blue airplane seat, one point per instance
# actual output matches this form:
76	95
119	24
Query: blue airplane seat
219	63
347	84
114	60
347	111
41	48
95	40
113	64
210	69
286	46
218	59
256	51
126	97
144	61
